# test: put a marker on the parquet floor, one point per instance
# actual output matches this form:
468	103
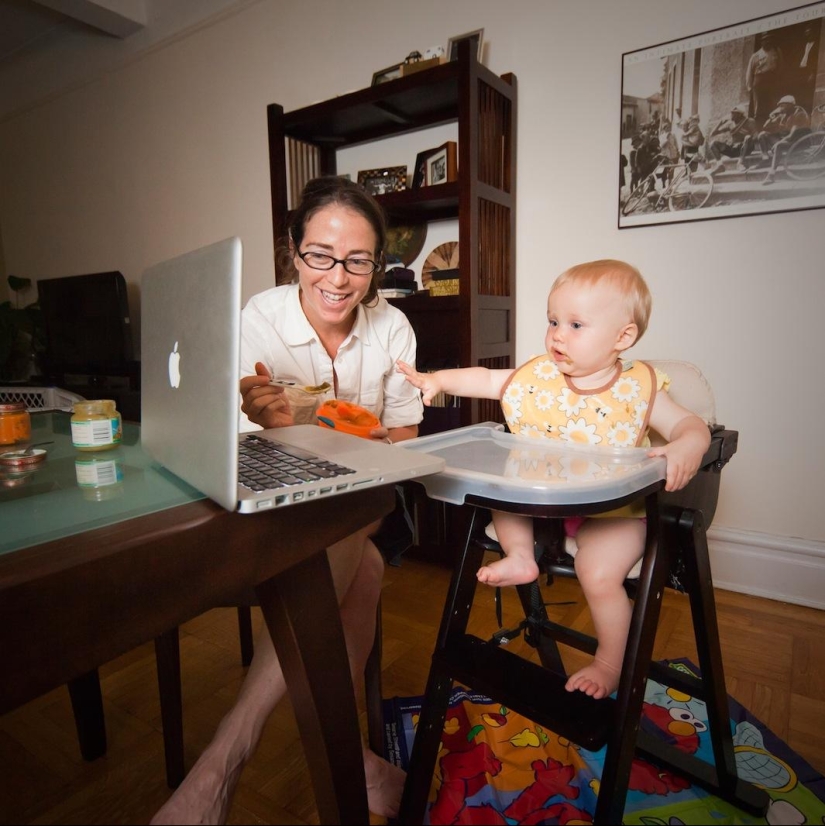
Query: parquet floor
774	658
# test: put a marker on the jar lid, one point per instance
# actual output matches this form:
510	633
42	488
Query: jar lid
12	407
22	458
94	406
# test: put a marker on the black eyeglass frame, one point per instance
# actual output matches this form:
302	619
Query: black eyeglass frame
302	255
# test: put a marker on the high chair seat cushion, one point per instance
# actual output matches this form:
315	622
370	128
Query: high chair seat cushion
688	387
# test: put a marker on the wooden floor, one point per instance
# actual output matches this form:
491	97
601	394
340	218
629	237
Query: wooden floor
774	658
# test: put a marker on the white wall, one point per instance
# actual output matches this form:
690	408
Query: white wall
166	150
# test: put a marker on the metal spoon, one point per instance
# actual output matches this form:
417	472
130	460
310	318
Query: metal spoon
313	390
26	451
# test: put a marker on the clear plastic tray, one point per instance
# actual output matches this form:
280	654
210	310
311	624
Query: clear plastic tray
483	460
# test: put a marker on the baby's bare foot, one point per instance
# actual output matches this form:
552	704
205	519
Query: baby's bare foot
512	570
597	680
385	785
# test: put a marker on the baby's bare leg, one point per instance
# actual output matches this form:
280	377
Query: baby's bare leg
515	535
608	549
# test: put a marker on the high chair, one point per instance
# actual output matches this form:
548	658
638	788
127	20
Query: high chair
676	555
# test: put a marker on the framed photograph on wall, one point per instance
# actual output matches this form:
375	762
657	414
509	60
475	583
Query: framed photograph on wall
476	38
382	181
441	164
726	123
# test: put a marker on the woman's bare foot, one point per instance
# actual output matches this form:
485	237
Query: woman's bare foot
385	785
597	680
512	570
204	796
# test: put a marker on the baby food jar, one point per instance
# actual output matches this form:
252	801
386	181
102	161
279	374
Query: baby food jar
15	423
99	479
96	425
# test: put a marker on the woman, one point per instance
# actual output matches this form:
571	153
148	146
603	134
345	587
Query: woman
324	322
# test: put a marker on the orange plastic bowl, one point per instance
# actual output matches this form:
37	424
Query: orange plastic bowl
347	417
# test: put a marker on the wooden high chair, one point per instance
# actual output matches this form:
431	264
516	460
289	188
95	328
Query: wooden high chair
676	555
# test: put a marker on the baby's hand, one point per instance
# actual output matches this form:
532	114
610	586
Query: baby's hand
683	462
427	383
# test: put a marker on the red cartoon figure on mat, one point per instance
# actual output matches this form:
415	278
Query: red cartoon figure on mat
677	724
464	767
552	778
463	774
467	765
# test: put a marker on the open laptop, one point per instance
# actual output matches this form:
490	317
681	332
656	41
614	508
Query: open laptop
190	399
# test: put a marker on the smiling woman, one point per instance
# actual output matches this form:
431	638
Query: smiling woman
323	323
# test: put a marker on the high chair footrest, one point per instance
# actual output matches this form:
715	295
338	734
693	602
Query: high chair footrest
566	636
527	688
730	788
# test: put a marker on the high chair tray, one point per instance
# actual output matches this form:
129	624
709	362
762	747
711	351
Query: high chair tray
485	463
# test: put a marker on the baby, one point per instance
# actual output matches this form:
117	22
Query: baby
582	390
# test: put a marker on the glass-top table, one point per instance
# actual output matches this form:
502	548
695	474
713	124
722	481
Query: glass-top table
74	491
102	552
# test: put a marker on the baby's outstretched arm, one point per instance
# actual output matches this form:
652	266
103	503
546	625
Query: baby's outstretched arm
472	382
427	383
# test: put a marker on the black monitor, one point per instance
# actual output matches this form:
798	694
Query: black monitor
87	325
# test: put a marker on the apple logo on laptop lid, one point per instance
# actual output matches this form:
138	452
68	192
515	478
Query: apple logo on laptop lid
174	367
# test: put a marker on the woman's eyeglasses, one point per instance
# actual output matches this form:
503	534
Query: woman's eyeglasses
322	261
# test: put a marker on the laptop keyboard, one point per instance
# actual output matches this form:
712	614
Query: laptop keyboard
266	465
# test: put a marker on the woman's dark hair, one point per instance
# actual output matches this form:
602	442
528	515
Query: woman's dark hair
319	193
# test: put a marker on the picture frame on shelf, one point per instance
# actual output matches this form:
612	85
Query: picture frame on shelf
414	66
419	177
384	75
476	37
441	164
383	181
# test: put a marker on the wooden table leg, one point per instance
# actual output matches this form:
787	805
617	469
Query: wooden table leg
167	656
301	612
87	705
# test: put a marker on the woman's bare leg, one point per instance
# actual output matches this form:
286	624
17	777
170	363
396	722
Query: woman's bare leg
205	795
385	781
607	550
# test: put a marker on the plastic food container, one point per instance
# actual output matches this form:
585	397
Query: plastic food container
347	417
15	423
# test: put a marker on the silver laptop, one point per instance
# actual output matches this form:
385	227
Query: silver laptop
190	400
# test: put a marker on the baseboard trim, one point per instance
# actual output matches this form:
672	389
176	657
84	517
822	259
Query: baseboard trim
776	567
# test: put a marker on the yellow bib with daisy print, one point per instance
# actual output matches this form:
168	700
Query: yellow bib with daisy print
540	401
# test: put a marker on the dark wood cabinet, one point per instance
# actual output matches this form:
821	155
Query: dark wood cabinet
476	327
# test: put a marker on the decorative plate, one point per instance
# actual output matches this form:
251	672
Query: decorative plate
405	243
443	257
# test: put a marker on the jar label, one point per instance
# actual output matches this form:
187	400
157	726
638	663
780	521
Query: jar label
96	432
98	474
